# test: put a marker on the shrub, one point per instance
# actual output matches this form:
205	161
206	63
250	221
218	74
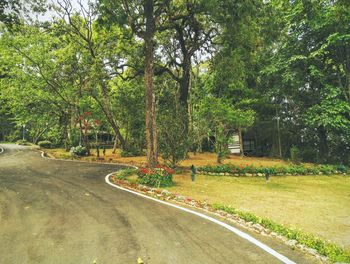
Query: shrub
161	176
326	169
294	169
22	142
45	144
78	151
341	168
131	152
123	174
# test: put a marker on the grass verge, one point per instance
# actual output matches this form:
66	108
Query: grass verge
325	248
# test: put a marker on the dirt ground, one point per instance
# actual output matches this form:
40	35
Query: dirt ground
199	159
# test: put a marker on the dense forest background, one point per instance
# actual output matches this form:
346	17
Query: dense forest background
191	73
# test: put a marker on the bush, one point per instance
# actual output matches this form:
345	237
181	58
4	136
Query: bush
161	176
45	144
280	170
123	174
22	142
131	152
78	151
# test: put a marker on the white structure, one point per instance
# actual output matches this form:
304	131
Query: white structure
233	144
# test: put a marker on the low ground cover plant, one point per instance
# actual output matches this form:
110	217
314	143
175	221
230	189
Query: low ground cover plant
301	169
161	176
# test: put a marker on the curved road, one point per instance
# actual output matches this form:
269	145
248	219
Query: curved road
63	212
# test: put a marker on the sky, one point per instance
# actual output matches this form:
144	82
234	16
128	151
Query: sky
50	14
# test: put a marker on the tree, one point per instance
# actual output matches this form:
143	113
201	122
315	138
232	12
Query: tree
223	120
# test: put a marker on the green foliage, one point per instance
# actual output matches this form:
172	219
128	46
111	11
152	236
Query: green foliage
45	144
173	139
22	142
325	248
131	152
223	119
79	151
301	169
125	173
161	176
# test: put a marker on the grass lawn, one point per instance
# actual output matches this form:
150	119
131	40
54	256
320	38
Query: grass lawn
315	204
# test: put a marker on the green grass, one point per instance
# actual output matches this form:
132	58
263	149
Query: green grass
318	205
326	248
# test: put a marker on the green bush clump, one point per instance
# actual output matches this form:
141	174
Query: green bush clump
22	142
294	169
161	176
334	252
342	168
79	151
326	169
45	144
131	152
123	174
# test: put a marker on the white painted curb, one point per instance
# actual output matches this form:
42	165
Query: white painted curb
211	219
1	150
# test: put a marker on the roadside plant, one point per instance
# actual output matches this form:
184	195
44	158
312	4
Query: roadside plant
45	144
22	142
79	151
161	176
293	169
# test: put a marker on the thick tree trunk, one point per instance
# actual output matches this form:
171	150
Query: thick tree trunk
151	124
323	144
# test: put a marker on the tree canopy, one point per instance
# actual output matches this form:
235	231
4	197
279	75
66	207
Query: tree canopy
175	76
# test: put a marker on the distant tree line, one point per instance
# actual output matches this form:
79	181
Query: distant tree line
165	77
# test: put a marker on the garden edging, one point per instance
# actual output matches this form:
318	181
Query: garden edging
158	195
211	219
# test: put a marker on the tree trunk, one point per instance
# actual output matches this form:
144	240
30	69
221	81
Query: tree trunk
151	123
323	144
115	144
241	150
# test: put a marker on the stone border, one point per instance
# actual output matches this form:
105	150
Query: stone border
161	196
165	197
238	232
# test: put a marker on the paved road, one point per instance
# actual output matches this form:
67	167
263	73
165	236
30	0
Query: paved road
63	212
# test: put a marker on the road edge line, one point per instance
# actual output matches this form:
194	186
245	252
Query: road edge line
234	230
238	232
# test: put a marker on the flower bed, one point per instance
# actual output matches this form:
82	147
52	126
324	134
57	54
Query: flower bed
161	176
250	170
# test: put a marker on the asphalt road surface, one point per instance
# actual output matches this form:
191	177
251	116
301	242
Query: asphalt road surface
63	212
